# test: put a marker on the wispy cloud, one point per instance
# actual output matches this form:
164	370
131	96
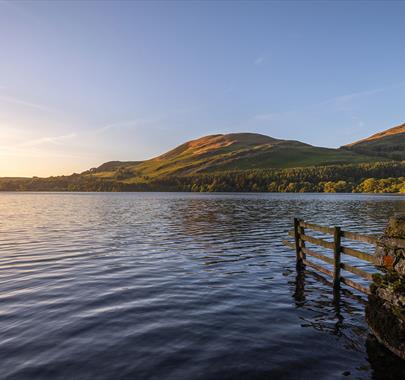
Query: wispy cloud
121	124
8	151
258	61
338	103
127	124
56	140
22	102
34	148
342	99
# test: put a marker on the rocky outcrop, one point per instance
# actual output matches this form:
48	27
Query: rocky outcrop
385	312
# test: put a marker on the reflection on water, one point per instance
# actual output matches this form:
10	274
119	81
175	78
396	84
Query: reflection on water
178	286
382	365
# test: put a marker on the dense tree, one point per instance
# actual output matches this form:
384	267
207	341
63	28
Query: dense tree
373	178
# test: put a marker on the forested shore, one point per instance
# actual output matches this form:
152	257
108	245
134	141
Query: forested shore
383	177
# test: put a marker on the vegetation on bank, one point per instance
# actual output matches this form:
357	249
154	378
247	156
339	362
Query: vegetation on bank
382	177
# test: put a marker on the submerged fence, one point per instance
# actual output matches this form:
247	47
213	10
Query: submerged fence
338	246
385	306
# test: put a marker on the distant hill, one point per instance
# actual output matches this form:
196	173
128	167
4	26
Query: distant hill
246	162
224	152
389	144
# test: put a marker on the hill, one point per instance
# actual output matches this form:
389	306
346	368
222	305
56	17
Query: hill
241	162
226	152
389	144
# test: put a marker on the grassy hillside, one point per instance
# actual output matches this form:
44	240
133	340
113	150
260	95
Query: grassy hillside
240	162
389	144
237	151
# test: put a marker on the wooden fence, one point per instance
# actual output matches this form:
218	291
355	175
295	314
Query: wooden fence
337	246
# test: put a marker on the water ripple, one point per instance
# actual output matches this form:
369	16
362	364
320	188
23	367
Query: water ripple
178	286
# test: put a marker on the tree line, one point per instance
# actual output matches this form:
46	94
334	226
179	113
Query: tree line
382	177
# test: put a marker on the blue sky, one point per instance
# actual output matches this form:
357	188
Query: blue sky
82	83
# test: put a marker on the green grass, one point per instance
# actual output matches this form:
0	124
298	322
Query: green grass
231	152
392	146
389	143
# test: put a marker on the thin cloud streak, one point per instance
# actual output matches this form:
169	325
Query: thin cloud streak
22	102
34	153
336	101
126	124
349	97
56	140
258	61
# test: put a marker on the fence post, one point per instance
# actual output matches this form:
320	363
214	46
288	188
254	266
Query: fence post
297	242
301	231
336	255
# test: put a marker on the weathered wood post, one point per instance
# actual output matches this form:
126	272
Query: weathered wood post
336	257
385	312
300	263
301	231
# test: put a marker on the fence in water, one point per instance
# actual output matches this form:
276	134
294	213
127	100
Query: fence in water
338	247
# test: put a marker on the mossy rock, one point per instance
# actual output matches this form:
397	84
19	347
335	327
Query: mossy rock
386	325
396	227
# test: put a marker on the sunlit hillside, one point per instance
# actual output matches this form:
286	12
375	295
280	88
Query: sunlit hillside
389	143
236	151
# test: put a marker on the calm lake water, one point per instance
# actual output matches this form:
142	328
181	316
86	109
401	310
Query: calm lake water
178	286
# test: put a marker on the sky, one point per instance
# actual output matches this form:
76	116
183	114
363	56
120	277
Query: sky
82	83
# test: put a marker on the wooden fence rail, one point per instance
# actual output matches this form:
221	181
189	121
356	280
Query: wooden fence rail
338	248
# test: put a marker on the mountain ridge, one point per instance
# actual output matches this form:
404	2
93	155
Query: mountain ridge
244	162
388	132
233	151
388	144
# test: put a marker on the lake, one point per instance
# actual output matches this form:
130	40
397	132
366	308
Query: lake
178	286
